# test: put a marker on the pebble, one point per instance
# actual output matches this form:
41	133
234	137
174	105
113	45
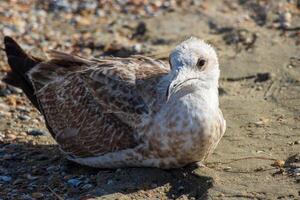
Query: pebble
4	92
297	172
36	132
285	19
11	136
2	136
74	182
11	100
23	109
259	88
2	85
227	168
4	114
59	5
137	48
5	179
24	117
4	107
23	134
14	90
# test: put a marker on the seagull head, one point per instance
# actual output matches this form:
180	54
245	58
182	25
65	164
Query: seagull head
193	62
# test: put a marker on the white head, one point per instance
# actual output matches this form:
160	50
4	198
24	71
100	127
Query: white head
192	61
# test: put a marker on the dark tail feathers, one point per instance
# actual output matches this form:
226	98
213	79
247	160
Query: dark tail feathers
20	64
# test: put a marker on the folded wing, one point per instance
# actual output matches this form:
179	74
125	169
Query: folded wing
94	106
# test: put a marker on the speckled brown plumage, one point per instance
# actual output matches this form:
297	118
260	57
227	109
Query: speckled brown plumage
136	111
85	102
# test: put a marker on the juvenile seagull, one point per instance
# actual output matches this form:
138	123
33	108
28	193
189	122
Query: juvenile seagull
118	112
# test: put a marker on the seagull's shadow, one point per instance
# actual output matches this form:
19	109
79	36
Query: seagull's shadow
51	172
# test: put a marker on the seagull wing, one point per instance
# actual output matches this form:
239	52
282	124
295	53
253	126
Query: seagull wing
92	107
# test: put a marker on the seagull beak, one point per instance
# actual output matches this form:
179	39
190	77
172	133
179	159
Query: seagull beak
171	86
175	85
169	90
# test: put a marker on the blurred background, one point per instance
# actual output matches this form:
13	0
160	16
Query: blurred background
258	43
126	27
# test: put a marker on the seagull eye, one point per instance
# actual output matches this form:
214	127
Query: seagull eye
200	62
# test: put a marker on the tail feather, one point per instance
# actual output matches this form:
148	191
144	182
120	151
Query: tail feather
20	64
12	79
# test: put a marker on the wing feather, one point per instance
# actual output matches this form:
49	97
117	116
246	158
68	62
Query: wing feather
94	106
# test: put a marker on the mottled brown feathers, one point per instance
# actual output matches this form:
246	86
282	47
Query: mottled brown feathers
115	112
94	106
80	125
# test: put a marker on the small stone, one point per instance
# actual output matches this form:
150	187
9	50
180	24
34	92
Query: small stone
36	132
11	100
285	19
2	85
11	136
37	195
14	90
259	88
23	109
24	117
23	134
221	195
137	48
4	92
262	122
74	182
4	107
227	168
5	114
297	142
59	5
297	170
2	136
5	179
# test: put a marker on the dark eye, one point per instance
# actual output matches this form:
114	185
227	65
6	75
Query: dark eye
200	62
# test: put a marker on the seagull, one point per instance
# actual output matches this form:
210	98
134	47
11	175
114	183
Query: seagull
126	112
